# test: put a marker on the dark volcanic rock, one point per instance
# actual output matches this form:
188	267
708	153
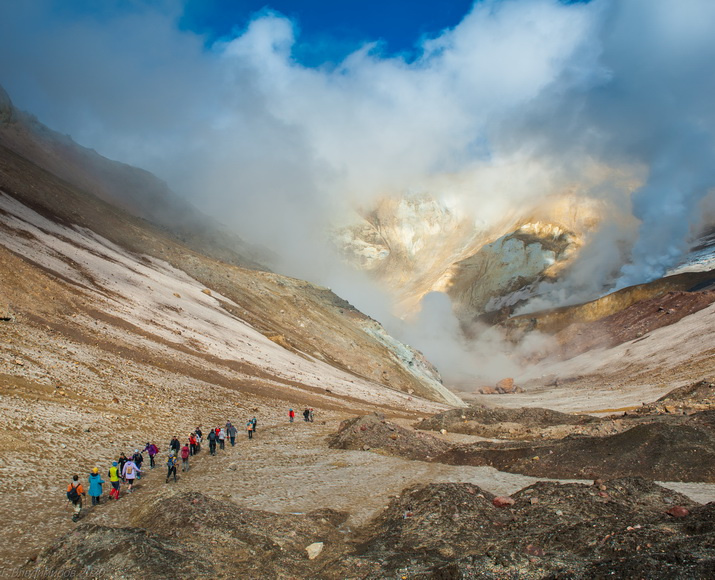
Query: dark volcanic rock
656	451
260	544
613	528
681	449
194	536
500	422
453	531
92	551
375	433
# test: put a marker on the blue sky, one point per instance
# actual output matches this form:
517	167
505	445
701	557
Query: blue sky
331	29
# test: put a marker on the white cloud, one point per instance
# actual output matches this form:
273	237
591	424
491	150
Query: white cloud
507	107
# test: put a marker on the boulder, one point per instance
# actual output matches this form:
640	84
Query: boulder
502	501
314	550
678	511
506	385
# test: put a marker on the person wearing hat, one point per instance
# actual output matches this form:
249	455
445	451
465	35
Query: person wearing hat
95	485
114	479
129	473
171	465
138	459
152	450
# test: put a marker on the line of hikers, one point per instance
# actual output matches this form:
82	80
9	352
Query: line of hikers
308	414
129	469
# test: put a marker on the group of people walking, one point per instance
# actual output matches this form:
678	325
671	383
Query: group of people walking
128	470
308	415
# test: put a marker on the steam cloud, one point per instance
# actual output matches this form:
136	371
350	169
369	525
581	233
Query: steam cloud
276	149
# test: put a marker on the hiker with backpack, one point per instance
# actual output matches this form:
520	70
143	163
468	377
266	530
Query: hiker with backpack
221	438
255	424
114	476
95	485
193	444
130	474
175	445
291	415
231	432
152	450
74	496
138	459
306	415
249	428
212	437
171	466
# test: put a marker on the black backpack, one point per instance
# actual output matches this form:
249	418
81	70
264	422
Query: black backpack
72	494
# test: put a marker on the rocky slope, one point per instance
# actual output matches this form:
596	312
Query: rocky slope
95	261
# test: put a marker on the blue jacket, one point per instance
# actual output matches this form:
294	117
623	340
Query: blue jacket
95	484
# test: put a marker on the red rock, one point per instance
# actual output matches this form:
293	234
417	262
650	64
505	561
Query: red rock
507	385
502	501
488	391
533	550
678	511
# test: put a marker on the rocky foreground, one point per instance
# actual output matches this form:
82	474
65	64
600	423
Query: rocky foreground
624	528
293	504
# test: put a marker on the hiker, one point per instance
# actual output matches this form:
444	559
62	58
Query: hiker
249	428
199	439
306	414
121	461
74	495
130	473
114	476
171	466
138	459
185	452
95	485
311	414
175	445
255	424
212	442
291	415
221	438
152	450
231	432
193	444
